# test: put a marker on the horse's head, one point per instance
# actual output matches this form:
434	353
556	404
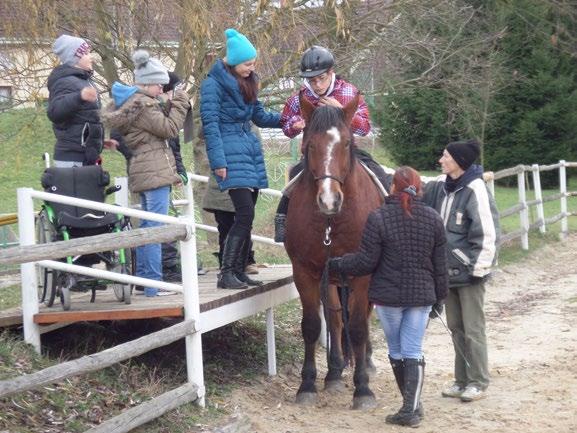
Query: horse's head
328	144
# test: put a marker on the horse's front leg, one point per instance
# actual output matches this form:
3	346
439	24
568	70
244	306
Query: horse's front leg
333	379
311	329
363	397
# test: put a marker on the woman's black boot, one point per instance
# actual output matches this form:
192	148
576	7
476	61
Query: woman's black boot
413	377
232	250
240	265
399	373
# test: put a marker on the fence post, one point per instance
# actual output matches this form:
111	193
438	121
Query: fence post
563	191
27	234
524	213
270	342
194	363
539	196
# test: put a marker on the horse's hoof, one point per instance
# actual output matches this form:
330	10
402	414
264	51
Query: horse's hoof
334	386
364	402
306	398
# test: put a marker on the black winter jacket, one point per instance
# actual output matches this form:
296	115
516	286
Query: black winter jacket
76	123
405	254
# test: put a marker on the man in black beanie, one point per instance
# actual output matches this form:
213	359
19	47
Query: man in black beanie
472	225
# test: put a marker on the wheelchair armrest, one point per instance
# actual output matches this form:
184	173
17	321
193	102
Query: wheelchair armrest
112	189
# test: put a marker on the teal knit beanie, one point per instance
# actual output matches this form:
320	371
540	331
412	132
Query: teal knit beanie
238	48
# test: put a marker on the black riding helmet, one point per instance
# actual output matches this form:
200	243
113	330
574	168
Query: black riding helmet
315	61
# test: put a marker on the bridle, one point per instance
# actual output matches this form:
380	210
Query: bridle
330	176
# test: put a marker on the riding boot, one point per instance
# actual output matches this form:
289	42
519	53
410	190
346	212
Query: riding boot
240	264
413	375
399	373
279	227
280	219
226	277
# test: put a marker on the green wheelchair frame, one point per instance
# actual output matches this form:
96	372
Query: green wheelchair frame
53	282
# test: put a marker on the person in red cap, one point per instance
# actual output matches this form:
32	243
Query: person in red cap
471	221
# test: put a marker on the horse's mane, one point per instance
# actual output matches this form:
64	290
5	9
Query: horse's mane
325	117
322	119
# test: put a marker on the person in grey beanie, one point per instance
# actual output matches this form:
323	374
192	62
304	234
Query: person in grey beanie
74	105
139	116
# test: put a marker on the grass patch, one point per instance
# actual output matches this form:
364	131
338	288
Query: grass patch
234	356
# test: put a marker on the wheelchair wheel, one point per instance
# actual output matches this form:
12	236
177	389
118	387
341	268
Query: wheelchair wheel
64	284
46	233
123	292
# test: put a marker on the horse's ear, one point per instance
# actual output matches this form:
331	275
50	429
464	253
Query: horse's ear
351	108
306	108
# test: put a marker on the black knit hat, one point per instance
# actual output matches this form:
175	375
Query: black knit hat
464	152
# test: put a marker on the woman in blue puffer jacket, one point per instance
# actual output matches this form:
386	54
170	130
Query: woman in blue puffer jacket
228	105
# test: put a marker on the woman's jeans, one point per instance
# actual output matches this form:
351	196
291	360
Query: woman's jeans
404	329
149	257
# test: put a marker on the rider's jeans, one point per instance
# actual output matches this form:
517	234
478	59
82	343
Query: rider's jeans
404	329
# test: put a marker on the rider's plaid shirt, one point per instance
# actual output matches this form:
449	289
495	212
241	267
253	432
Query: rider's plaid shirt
343	92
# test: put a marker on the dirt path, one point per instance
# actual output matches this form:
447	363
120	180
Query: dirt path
531	313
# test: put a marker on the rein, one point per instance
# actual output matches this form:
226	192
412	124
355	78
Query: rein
343	294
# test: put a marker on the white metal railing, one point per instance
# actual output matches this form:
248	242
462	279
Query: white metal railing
189	288
121	197
523	205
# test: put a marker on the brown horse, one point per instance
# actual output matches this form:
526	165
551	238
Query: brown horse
330	204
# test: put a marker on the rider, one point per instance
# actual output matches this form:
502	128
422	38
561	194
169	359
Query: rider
321	86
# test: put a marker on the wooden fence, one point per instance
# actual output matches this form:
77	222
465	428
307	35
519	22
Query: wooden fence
523	205
27	253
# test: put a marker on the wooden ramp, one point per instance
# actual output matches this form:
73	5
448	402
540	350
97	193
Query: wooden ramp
277	288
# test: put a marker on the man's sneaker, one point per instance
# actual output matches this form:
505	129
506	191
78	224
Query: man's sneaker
454	391
473	393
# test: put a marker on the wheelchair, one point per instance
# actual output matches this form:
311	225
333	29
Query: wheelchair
57	222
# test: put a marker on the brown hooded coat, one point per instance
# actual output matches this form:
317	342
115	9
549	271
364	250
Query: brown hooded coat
146	128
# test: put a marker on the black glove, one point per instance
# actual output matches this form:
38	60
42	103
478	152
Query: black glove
335	265
437	310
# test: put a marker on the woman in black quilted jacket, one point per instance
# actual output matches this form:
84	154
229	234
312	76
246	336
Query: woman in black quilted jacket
403	246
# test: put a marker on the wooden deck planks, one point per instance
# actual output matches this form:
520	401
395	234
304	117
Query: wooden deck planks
107	307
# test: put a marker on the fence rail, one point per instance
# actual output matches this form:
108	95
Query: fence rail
523	206
182	228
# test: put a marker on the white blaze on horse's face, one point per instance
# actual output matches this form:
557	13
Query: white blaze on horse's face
330	198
